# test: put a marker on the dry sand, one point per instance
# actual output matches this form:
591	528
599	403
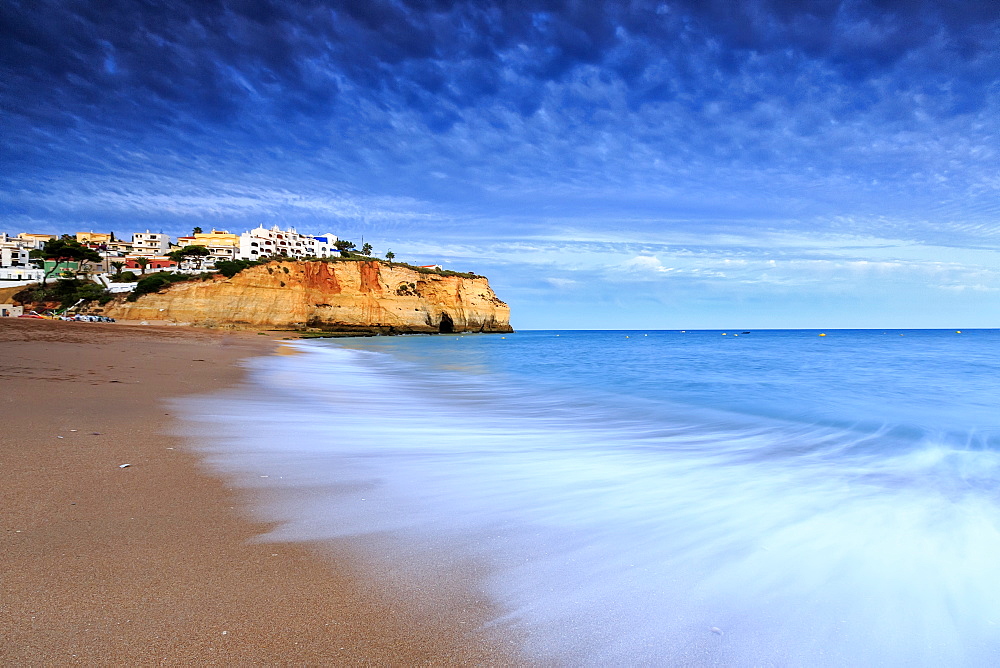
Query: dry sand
154	563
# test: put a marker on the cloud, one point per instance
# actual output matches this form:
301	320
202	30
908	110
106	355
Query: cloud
657	138
645	265
561	283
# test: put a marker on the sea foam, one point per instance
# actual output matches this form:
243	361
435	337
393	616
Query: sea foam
614	529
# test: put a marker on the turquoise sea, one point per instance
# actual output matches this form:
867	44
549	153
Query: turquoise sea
652	497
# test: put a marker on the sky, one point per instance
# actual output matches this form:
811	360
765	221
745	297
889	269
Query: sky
608	165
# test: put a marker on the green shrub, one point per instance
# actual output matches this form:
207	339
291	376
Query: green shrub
156	282
230	268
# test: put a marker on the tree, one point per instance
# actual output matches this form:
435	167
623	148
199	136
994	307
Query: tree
196	230
344	246
118	267
198	252
143	262
389	255
366	249
66	249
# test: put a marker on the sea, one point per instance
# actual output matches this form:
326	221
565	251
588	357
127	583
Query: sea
674	498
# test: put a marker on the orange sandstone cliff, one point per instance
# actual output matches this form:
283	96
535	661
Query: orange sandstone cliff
363	297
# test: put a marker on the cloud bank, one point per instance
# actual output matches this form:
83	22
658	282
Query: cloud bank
484	124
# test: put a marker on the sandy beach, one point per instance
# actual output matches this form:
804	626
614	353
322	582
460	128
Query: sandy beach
154	563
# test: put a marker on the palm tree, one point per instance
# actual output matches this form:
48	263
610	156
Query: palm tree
389	255
118	266
143	262
366	249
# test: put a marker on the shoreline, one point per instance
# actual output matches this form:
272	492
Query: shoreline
155	562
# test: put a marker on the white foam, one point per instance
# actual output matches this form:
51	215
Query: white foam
615	538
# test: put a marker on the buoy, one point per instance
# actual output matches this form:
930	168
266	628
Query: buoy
822	334
723	333
959	332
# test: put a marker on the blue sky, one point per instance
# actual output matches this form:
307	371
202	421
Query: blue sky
694	164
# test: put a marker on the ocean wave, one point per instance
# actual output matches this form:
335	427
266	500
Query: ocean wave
616	529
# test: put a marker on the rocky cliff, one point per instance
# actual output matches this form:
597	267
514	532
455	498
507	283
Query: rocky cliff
370	296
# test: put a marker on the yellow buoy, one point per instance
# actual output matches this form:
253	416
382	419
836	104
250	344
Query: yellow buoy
822	334
959	332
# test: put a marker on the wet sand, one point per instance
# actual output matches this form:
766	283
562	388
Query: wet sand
155	563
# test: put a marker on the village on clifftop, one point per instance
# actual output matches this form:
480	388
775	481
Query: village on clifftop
97	265
152	251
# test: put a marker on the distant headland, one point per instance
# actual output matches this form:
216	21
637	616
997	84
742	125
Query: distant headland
364	296
264	278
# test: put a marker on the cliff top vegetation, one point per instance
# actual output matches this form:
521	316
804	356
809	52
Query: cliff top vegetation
229	268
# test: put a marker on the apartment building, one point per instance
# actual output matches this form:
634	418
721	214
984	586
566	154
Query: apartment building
262	242
34	241
149	244
221	245
93	238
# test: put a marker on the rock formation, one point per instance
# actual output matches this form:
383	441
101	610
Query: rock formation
342	296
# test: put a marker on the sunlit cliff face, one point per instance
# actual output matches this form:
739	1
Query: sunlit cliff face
342	296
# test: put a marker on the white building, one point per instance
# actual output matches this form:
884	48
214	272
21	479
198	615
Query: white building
150	243
262	242
15	257
14	252
20	276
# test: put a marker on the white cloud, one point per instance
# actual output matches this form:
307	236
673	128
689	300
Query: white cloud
646	264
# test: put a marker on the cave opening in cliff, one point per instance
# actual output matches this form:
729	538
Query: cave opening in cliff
447	325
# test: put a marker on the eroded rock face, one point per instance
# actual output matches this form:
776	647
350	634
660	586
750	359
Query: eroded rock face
332	296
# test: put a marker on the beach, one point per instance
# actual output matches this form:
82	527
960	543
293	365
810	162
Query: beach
121	548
